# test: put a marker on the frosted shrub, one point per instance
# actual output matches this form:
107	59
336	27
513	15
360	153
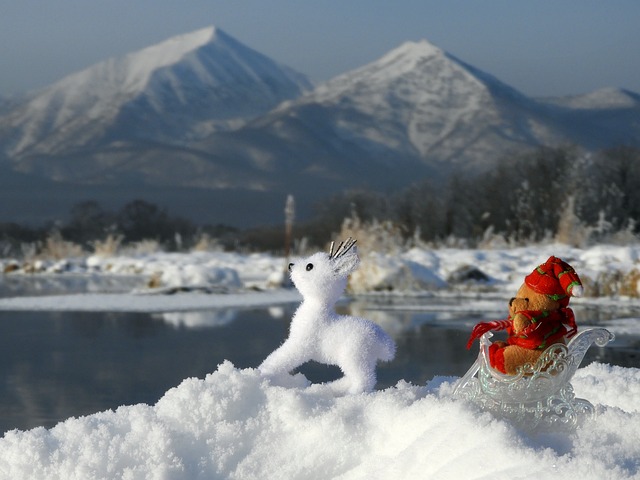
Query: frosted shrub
626	236
108	247
142	247
374	236
612	283
571	231
56	248
207	244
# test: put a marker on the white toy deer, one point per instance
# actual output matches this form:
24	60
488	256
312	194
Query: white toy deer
318	333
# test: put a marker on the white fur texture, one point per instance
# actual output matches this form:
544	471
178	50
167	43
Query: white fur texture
318	333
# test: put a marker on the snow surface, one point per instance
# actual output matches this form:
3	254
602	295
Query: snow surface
237	424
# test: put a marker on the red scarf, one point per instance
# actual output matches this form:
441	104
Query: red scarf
546	328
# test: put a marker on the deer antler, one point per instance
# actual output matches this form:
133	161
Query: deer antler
343	248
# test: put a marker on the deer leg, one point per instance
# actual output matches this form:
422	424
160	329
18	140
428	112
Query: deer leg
359	376
284	359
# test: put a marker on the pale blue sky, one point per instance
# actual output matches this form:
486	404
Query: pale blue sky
541	47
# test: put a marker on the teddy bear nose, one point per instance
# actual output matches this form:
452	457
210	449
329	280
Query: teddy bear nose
511	301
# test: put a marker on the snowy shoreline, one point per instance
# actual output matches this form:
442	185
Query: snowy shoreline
402	271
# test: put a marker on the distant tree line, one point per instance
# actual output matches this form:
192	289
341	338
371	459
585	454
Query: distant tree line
89	223
549	193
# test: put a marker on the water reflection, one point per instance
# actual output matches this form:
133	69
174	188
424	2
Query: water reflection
57	365
204	319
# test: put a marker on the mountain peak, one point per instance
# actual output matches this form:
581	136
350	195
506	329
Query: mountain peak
401	61
206	76
415	71
131	73
140	65
408	56
180	44
415	49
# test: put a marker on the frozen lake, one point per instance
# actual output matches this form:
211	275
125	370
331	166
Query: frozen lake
56	365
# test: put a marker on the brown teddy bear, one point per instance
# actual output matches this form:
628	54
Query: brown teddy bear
539	316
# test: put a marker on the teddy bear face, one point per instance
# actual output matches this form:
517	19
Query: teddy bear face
528	299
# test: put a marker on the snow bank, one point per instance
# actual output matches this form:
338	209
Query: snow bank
236	425
228	270
190	276
605	269
379	272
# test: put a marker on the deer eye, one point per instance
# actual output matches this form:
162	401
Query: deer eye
290	266
309	266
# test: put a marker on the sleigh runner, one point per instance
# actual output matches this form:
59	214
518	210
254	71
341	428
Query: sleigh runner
540	395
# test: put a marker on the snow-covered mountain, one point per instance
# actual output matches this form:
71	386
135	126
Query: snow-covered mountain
420	103
415	111
202	110
180	89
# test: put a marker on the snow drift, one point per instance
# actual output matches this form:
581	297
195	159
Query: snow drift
235	424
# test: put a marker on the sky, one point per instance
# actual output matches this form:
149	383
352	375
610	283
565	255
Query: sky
542	47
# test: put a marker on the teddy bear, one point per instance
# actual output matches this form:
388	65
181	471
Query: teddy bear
539	316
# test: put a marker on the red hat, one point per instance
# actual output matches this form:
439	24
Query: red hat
556	279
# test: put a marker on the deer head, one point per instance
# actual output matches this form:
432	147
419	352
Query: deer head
324	276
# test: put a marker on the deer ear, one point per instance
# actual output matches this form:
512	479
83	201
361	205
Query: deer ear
348	262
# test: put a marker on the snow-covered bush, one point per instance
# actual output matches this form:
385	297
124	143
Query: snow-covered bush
386	273
196	277
206	243
57	248
380	245
374	236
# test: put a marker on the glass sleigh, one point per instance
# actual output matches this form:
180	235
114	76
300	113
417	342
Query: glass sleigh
540	396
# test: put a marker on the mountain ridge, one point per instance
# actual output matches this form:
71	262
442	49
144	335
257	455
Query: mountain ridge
608	98
419	97
202	110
